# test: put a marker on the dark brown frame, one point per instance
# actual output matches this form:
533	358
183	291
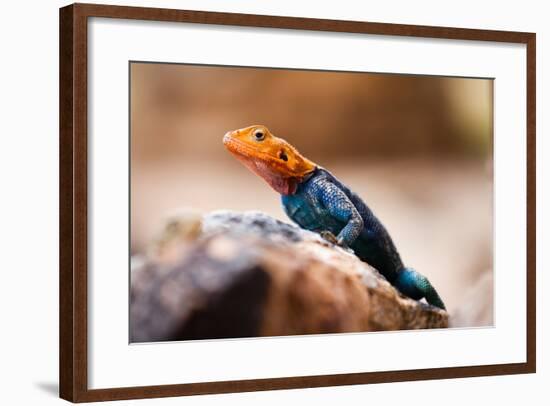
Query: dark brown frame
73	202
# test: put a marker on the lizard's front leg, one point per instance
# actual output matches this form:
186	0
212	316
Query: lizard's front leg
340	207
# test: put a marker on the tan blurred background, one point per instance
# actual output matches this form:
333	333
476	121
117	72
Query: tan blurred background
416	148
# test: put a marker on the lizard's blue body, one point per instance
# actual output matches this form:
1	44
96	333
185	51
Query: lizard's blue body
322	203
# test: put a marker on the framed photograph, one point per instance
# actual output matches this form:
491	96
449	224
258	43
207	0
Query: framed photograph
253	202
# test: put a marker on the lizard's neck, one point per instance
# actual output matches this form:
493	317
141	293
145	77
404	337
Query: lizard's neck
309	175
295	183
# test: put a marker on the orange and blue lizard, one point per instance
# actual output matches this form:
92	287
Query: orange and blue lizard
317	201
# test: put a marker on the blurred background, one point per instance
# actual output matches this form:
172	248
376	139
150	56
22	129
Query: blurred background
418	149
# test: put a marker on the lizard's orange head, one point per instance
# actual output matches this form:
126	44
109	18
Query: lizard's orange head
272	158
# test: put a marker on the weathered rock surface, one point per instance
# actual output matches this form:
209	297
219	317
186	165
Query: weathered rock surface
227	274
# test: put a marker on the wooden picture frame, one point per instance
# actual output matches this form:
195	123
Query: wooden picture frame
73	209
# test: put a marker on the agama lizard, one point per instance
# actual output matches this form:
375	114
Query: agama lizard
315	200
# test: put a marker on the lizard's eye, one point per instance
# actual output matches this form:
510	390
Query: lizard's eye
259	135
283	156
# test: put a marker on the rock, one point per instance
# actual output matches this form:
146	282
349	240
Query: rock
248	274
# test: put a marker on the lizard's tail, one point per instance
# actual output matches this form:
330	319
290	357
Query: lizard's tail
417	286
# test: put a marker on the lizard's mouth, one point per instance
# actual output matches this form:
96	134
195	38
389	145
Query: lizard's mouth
244	151
278	176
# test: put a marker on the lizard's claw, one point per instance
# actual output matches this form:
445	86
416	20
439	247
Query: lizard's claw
330	237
